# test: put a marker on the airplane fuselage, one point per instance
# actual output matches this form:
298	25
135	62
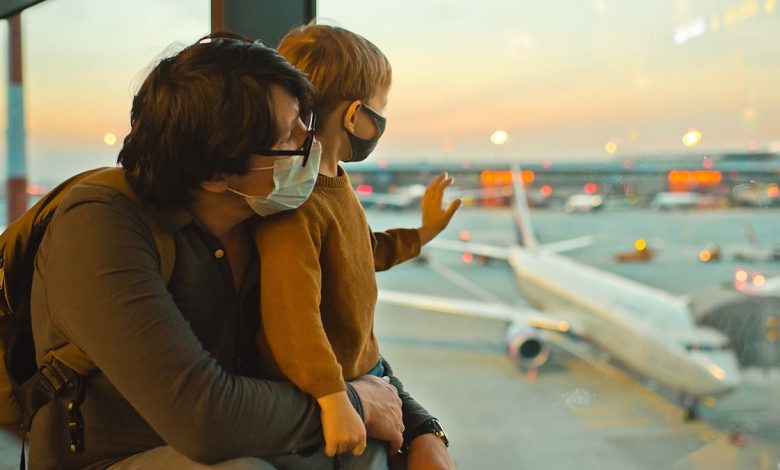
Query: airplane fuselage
640	326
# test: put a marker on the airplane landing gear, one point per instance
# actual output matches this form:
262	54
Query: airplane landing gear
691	407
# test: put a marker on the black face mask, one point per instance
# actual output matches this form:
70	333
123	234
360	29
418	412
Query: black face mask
362	148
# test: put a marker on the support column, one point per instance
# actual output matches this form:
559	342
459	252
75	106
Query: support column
17	155
267	20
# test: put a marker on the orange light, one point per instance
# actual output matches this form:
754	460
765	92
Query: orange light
684	180
705	256
467	258
741	275
464	235
773	191
546	190
759	280
504	177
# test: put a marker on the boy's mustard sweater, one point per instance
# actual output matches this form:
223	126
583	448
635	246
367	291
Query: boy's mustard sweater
318	287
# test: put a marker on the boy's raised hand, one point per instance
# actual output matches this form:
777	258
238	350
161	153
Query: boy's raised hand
341	425
434	217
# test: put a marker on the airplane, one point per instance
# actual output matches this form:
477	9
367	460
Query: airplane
675	200
647	330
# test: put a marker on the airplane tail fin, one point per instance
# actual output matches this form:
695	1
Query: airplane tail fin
525	233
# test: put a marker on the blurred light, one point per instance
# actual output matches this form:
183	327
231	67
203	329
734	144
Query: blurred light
714	22
707	163
109	139
680	180
466	165
705	256
547	164
719	373
640	245
590	188
467	258
499	137
691	138
749	114
759	280
773	191
504	177
611	147
383	164
769	6
741	275
464	235
688	31
546	190
365	189
36	189
628	164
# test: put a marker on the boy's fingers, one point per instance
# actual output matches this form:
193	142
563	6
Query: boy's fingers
445	183
330	449
454	205
359	449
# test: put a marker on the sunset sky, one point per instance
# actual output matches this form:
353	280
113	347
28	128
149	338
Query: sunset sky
563	78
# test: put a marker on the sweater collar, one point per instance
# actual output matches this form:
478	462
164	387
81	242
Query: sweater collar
333	181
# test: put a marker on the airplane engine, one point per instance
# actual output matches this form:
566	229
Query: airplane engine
526	347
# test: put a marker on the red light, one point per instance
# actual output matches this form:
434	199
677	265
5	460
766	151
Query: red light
707	163
773	191
365	189
590	188
628	164
464	235
545	190
383	164
468	258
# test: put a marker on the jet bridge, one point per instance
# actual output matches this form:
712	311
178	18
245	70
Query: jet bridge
750	322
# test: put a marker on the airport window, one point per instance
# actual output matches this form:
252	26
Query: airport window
648	134
618	165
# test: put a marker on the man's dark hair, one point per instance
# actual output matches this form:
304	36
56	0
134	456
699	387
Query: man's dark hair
203	112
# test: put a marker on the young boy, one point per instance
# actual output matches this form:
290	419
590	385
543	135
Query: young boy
318	263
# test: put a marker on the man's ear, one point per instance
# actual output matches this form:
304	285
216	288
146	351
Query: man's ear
217	184
350	116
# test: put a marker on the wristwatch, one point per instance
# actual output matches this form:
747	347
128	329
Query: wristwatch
432	426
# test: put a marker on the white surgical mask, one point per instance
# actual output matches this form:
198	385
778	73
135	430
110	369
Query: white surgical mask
293	183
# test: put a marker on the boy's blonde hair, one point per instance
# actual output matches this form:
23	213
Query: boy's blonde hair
341	65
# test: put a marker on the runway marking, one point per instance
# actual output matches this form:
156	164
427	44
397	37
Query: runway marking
460	281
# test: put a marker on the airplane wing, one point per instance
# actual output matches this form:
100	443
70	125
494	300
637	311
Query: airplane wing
568	245
489	251
476	308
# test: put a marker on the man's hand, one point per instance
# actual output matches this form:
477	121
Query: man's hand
341	425
428	452
434	217
381	409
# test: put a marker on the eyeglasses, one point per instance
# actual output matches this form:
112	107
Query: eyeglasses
304	150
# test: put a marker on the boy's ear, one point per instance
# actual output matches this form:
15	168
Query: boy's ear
217	184
350	116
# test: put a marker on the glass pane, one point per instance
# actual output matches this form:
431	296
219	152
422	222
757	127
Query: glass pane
83	60
648	134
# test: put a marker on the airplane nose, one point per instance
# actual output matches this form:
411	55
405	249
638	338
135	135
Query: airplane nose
726	370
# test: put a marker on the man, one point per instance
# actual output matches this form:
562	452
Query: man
178	383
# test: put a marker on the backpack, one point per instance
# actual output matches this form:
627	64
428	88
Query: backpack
18	246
